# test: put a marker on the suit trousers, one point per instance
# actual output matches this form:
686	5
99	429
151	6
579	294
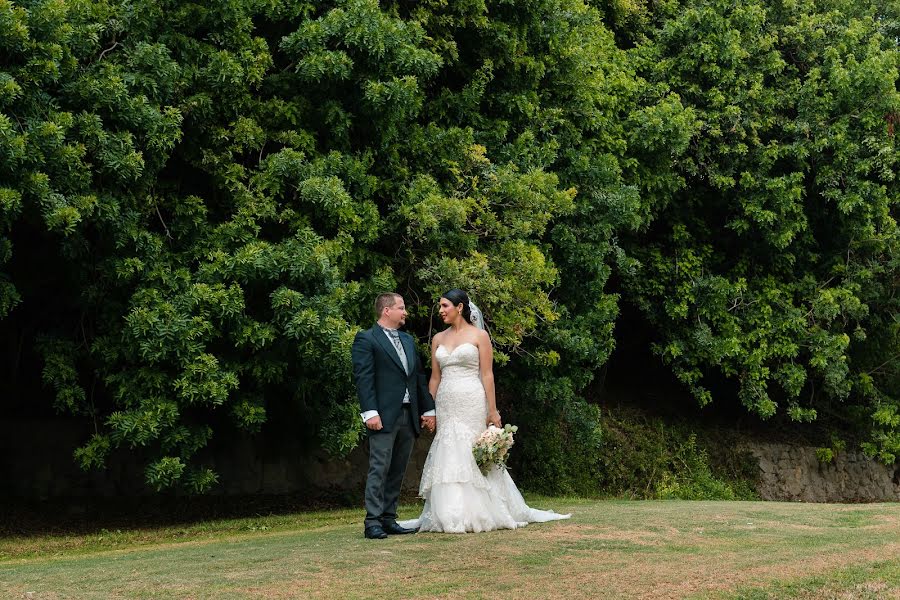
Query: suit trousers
388	456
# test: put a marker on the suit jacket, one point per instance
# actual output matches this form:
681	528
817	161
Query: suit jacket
382	382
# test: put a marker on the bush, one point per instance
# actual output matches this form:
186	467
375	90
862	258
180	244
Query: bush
646	457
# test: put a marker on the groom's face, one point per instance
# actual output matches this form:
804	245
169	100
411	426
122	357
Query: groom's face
396	314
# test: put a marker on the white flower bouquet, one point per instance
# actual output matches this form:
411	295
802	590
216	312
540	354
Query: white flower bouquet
492	447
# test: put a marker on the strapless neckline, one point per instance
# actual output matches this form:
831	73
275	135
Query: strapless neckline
450	352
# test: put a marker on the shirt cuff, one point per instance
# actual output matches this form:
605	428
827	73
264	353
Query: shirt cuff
368	415
428	413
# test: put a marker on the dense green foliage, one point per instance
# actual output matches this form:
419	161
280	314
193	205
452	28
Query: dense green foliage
776	263
199	202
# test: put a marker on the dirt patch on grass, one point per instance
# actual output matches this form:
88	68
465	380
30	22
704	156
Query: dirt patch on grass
872	590
574	533
659	575
889	520
682	576
577	560
640	550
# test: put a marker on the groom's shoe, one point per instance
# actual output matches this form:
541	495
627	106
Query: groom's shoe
393	528
375	532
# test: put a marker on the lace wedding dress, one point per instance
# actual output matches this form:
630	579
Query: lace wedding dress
458	498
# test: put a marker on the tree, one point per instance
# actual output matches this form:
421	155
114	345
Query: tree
198	203
246	173
775	264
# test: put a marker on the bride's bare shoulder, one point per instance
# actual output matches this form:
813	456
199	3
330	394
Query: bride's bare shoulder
482	337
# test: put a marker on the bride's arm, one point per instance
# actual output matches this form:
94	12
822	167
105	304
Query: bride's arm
486	361
435	380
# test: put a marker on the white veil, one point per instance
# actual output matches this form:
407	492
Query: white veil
476	316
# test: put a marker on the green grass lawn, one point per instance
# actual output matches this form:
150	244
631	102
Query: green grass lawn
609	549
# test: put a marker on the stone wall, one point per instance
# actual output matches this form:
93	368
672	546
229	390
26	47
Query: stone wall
794	473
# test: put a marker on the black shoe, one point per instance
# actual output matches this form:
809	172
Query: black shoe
375	532
394	529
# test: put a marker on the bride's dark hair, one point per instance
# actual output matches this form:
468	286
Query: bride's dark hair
457	297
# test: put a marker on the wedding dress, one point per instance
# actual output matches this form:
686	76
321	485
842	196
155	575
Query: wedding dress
458	497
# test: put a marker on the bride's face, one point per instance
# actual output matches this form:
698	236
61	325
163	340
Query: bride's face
448	312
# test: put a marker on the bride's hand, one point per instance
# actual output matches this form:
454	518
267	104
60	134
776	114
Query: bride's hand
494	419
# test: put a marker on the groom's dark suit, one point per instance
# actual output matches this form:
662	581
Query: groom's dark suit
381	384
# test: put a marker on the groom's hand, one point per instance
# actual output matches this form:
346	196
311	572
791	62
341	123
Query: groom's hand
374	423
429	423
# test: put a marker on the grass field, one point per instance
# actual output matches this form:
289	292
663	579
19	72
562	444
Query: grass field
609	549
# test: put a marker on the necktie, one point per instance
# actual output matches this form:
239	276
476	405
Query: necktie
395	337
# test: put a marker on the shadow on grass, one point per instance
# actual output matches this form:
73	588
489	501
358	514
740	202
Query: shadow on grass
65	516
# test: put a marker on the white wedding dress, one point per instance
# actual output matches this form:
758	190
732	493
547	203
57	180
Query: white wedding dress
458	497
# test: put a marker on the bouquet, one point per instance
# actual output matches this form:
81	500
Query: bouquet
492	447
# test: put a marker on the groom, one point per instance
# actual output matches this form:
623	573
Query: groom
395	404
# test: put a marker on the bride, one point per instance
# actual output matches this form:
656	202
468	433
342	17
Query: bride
458	497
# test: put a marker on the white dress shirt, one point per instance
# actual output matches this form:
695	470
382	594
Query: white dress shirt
374	413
